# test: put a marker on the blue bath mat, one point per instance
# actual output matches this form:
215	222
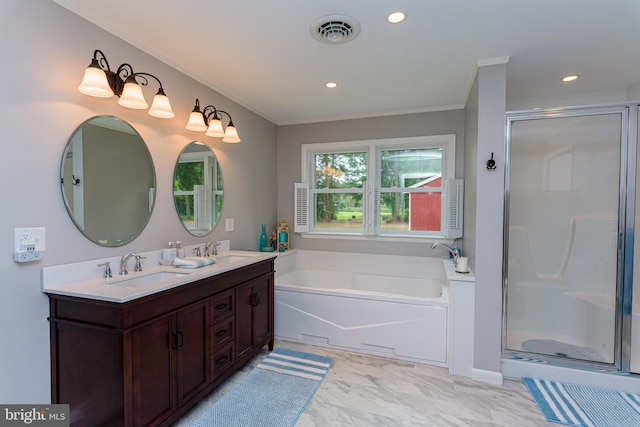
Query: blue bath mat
577	405
274	394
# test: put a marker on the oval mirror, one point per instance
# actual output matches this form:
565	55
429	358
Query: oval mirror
108	181
198	188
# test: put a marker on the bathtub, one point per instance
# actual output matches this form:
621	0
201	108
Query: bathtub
392	306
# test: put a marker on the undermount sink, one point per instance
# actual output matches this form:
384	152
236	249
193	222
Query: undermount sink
147	279
227	259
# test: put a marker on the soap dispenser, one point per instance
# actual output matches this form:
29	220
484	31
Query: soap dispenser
169	253
180	249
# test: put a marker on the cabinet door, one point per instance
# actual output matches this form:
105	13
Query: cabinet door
244	318
254	313
192	334
153	371
262	325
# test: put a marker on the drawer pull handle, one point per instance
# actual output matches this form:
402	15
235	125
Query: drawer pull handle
222	360
222	333
222	306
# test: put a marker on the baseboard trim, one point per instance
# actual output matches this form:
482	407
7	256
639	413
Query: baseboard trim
490	377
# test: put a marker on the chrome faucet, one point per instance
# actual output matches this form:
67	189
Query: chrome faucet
107	269
211	248
197	251
207	248
138	265
123	263
453	253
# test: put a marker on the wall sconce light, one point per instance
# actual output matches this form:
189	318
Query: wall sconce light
209	120
101	82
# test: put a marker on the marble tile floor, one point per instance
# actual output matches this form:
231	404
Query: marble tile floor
363	391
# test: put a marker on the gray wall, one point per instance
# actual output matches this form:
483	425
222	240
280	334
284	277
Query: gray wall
471	172
44	51
489	216
291	137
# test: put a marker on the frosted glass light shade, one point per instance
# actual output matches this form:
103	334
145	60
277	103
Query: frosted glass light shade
160	107
215	129
196	122
95	83
231	134
132	96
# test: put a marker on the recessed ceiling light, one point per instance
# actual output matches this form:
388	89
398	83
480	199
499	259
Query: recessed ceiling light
396	17
570	78
331	85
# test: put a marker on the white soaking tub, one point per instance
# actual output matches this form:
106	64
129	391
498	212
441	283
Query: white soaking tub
385	305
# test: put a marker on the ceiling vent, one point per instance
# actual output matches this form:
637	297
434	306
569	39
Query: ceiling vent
335	29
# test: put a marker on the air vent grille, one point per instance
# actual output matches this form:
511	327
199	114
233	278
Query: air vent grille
335	29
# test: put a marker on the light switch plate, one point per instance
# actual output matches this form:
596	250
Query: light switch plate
229	224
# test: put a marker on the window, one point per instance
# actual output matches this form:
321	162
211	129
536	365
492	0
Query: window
396	187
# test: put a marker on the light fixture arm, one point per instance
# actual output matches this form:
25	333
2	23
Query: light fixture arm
230	119
209	111
145	81
101	62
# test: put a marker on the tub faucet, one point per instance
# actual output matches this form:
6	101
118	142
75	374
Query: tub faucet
453	253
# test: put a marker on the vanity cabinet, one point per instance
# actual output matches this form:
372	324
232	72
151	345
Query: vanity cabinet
149	360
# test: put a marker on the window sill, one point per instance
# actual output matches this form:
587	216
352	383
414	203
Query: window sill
378	238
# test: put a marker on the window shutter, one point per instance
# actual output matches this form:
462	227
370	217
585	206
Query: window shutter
455	209
202	207
301	211
371	214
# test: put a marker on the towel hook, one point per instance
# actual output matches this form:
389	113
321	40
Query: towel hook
491	164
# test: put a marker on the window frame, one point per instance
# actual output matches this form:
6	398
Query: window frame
374	148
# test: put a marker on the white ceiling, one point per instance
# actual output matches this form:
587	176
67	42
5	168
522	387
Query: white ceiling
261	54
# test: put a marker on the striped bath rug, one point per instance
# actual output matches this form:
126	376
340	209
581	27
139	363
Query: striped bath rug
273	394
578	405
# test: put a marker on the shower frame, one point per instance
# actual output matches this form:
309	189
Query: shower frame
625	238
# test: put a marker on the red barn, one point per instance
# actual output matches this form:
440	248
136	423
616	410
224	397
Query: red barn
425	209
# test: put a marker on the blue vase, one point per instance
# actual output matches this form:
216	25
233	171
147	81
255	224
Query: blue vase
264	242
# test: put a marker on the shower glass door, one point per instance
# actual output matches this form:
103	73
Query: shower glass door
563	200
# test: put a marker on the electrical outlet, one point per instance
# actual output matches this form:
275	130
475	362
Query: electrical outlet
229	225
27	256
28	244
24	237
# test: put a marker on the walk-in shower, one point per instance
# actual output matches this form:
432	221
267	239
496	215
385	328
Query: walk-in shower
569	227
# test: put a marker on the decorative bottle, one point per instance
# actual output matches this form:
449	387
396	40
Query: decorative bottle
264	242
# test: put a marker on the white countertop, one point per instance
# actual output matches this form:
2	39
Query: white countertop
453	275
116	289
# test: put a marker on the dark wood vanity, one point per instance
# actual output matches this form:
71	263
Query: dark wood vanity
149	360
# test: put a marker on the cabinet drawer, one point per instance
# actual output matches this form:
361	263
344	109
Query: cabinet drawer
221	334
222	360
222	306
